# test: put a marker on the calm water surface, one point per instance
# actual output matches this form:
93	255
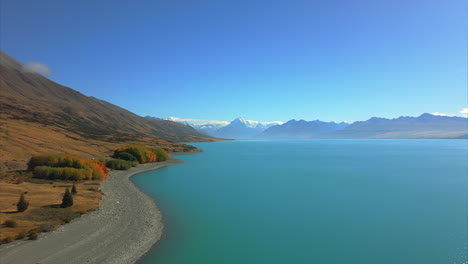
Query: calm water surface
324	201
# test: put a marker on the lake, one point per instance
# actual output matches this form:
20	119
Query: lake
316	201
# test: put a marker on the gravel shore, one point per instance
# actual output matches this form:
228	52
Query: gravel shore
122	230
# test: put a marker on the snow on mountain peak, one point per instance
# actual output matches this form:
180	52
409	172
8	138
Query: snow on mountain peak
254	124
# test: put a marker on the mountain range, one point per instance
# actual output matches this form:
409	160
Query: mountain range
423	126
239	128
302	130
38	115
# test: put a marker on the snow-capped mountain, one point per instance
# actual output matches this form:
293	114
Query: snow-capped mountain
209	129
423	126
206	126
253	124
240	128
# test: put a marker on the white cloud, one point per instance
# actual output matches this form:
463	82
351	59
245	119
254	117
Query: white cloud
439	114
37	67
464	112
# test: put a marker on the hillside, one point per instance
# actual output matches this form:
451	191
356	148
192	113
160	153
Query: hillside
39	115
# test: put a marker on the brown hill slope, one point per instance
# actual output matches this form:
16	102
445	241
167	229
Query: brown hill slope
39	115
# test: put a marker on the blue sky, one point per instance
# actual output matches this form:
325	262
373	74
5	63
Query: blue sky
262	60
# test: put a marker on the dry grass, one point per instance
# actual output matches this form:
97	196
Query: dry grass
19	141
44	212
41	116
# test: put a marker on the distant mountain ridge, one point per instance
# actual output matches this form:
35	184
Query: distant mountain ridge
423	126
239	128
302	130
39	115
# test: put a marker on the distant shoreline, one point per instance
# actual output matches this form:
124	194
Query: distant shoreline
126	225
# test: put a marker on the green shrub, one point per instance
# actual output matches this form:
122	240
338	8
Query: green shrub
67	174
10	223
118	164
141	154
74	189
134	150
56	160
33	235
66	167
161	154
96	175
125	156
22	204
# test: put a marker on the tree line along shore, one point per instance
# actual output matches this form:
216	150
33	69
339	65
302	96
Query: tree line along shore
57	188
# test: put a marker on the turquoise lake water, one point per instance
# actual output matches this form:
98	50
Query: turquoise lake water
323	201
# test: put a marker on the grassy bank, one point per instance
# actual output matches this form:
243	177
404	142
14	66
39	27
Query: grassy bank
44	212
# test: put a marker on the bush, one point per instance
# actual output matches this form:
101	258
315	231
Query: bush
118	164
135	150
141	154
67	174
56	160
22	204
10	223
66	167
161	154
125	156
33	235
67	199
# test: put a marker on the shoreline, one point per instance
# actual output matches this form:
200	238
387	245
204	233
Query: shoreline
111	234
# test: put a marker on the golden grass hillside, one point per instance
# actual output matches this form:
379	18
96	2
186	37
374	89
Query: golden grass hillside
38	115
